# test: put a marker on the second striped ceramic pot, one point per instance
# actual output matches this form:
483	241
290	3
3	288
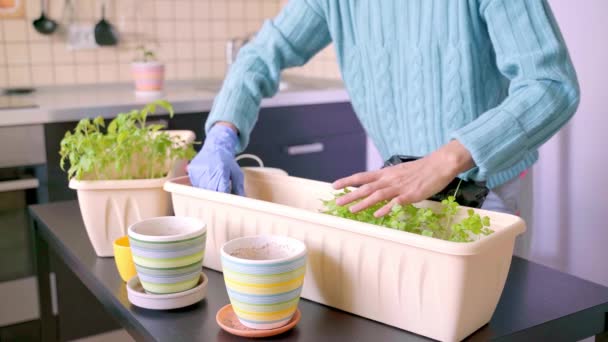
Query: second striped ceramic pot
264	275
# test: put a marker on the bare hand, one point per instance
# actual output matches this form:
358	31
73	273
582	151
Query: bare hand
408	182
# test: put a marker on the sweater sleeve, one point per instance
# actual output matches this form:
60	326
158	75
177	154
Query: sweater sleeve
543	90
297	33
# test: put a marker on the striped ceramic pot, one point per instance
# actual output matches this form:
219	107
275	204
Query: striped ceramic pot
264	276
148	76
168	252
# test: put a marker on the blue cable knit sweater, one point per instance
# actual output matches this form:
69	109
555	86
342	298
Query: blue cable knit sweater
493	74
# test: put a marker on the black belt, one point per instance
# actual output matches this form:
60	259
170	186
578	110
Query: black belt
470	193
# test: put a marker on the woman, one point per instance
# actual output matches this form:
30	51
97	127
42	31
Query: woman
474	86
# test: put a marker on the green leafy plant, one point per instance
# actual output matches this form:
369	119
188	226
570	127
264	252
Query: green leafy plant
144	54
423	221
127	149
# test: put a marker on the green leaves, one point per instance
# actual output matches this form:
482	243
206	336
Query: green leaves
128	149
423	221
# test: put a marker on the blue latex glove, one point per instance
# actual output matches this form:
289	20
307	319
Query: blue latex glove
214	166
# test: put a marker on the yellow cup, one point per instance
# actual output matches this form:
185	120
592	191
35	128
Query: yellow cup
124	258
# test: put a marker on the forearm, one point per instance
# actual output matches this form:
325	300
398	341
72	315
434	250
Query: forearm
229	125
543	89
456	158
290	39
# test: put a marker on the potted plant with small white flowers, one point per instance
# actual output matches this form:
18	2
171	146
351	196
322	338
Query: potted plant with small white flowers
119	170
148	72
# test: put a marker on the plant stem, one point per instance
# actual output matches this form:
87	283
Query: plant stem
457	188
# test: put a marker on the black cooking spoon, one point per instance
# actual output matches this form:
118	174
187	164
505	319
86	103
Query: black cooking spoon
43	24
104	31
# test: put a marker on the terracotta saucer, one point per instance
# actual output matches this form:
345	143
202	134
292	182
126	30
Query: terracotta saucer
226	318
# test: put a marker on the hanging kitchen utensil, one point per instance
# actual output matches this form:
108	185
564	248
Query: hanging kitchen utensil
67	18
43	24
105	34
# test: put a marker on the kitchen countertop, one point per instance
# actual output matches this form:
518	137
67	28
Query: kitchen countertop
72	103
537	303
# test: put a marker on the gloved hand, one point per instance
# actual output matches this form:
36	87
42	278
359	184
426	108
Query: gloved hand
214	166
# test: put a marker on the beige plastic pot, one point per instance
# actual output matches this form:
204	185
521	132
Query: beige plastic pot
109	207
440	289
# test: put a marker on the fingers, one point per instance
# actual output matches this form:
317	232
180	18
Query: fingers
377	196
387	208
356	179
363	191
238	181
220	178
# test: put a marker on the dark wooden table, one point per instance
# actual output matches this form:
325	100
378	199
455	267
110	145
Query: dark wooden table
537	304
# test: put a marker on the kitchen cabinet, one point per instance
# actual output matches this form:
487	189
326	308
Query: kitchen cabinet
322	142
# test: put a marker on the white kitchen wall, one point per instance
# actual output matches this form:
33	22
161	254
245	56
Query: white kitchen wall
568	228
188	35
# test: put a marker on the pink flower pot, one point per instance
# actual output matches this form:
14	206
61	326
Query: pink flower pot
148	76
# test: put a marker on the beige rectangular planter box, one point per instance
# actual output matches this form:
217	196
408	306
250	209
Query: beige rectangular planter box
109	207
440	289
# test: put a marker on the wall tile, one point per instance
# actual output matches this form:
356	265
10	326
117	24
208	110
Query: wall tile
185	70
218	50
219	10
2	55
202	69
107	73
237	28
166	51
165	30
124	73
88	10
189	35
183	10
125	55
88	56
165	9
19	76
252	10
35	36
201	9
185	50
107	55
127	9
184	30
253	26
65	74
171	71
236	9
17	53
42	75
219	30
15	30
202	50
32	10
61	54
40	53
146	31
86	74
3	76
218	69
53	8
202	30
270	8
146	9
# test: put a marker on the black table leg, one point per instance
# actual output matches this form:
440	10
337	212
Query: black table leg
48	320
603	337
